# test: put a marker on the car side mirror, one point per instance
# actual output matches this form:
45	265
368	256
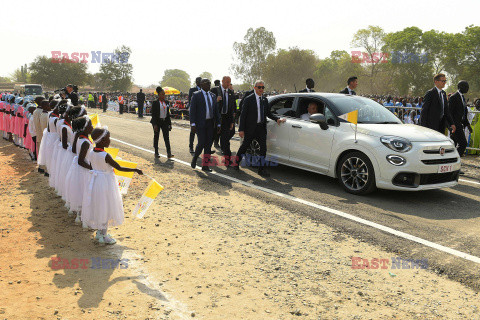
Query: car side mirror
319	119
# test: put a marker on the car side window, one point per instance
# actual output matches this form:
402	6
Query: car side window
303	105
283	107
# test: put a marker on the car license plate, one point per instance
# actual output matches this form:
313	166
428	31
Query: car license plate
445	168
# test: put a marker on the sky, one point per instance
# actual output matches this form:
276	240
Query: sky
199	36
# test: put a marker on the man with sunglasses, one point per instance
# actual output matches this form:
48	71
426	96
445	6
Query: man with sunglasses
435	112
253	125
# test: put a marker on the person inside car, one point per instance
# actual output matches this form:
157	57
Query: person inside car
312	108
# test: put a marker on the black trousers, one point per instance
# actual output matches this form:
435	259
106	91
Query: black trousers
216	136
260	134
225	135
460	140
140	109
166	137
205	139
120	108
104	105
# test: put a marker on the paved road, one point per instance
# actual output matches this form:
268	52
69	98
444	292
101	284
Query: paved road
449	217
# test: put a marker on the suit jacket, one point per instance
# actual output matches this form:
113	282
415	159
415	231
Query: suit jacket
191	92
345	91
432	109
458	110
228	117
249	115
156	120
140	97
198	109
305	90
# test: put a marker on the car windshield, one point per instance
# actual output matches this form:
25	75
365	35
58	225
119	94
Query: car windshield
368	110
33	90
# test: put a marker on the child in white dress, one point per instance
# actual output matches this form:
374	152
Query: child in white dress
102	204
78	172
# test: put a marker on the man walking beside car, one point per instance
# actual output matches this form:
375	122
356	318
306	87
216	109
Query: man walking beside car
253	125
435	112
352	83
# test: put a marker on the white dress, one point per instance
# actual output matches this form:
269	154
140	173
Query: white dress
50	139
64	160
76	177
55	149
42	152
102	204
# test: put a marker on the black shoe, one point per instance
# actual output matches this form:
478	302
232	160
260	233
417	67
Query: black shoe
170	156
461	172
194	162
191	150
206	169
46	174
212	151
263	173
157	155
41	170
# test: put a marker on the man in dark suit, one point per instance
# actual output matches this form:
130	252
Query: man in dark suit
226	105
190	94
310	85
104	102
352	83
203	116
217	91
459	111
435	112
253	125
140	102
161	121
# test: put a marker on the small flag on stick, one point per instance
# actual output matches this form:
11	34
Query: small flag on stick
95	120
124	178
351	117
147	198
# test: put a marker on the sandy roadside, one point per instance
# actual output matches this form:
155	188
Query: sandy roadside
204	250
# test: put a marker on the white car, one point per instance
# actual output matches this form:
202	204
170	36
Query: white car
384	153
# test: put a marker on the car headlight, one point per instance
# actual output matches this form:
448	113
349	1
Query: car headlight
396	143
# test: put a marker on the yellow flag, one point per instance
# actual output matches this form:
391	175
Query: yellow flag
147	198
113	152
95	120
351	117
124	178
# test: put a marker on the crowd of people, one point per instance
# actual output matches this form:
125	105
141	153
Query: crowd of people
60	137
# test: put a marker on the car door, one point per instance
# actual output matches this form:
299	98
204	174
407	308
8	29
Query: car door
310	146
278	136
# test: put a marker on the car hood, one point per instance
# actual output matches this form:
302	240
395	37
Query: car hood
412	132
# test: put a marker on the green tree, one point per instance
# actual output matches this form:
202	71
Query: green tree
412	71
177	79
116	73
287	69
251	55
56	74
371	40
331	73
21	75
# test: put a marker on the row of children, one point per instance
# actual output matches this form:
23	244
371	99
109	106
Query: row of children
72	155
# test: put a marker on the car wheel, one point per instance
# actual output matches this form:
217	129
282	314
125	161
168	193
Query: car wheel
355	173
254	152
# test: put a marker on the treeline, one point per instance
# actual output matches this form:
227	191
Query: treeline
54	73
399	63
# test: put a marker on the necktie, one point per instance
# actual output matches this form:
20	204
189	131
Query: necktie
224	109
261	109
443	106
209	105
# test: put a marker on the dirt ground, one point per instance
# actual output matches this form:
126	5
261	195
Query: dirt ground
204	250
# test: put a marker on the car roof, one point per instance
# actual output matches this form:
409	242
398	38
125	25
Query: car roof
326	95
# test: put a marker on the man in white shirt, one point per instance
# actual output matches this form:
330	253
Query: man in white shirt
312	108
